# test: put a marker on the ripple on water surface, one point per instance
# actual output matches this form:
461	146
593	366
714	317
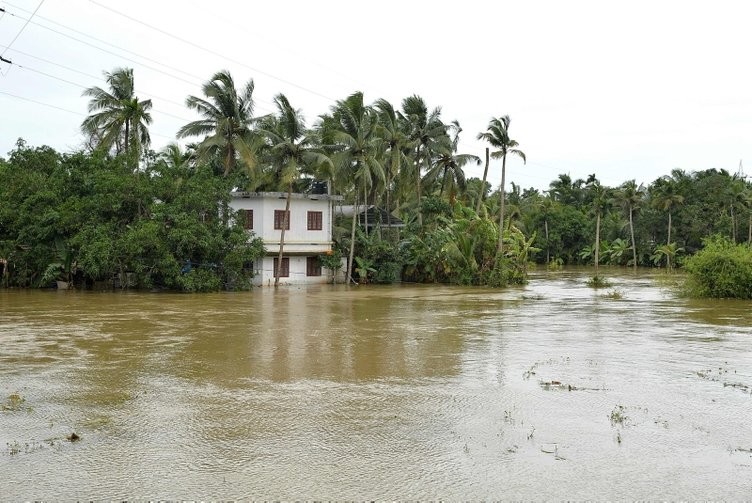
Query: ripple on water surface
552	390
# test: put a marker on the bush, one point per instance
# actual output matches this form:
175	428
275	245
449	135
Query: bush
720	270
200	280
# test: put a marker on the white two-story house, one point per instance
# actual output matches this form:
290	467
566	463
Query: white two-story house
308	234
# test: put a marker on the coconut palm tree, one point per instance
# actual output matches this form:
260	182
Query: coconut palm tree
599	197
395	141
425	129
353	129
118	119
497	135
736	195
666	198
226	124
482	195
630	197
546	207
291	150
174	156
448	164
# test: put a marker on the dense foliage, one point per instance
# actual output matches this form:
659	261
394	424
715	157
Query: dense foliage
88	218
721	270
120	210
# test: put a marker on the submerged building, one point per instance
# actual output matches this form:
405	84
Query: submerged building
308	234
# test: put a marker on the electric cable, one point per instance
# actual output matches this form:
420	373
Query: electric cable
199	81
22	28
212	52
22	98
76	84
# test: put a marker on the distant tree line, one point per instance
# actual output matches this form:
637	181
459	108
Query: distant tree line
170	208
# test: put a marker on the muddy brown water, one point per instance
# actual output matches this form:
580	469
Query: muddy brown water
551	390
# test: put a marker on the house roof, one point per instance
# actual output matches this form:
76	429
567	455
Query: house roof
283	195
375	216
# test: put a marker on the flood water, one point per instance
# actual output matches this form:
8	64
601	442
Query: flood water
551	390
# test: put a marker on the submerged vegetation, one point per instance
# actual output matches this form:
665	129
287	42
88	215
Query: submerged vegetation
721	269
86	218
119	212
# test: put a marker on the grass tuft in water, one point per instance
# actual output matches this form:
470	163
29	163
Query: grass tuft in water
614	294
598	282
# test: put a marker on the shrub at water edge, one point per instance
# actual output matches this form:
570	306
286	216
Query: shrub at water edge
721	269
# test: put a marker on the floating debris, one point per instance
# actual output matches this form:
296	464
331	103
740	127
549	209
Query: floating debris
719	376
552	448
14	402
618	416
558	385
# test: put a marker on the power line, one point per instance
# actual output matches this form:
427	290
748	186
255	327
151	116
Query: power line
110	52
22	28
277	44
96	77
67	110
212	52
41	103
147	58
87	87
197	82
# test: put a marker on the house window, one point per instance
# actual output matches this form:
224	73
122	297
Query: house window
246	217
284	271
315	220
279	218
313	266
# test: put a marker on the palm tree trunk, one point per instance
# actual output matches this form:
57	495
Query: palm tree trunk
127	142
127	136
668	257
749	231
417	175
500	246
388	202
548	248
631	233
352	239
597	240
733	224
228	161
365	210
482	195
282	235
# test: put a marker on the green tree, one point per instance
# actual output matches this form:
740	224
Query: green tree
666	198
482	195
737	195
600	198
448	164
630	197
353	130
497	135
292	151
721	269
395	142
226	124
118	119
425	128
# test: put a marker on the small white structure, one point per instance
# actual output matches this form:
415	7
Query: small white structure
308	234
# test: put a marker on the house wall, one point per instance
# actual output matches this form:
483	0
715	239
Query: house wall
298	239
300	243
264	273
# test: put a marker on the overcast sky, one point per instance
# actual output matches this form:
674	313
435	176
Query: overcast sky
625	90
